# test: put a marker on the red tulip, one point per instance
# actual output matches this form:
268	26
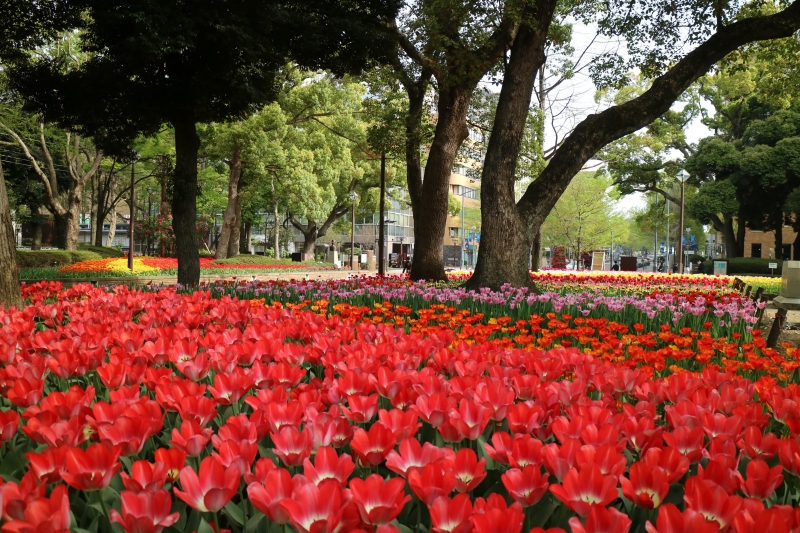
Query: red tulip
372	447
671	520
434	409
431	482
361	408
145	512
292	446
413	455
90	469
267	494
27	391
48	463
128	434
585	488
493	515
558	460
379	501
451	515
404	424
9	424
211	489
174	459
200	409
647	486
145	476
789	455
45	515
602	520
319	509
525	450
192	438
14	498
470	419
501	447
761	479
687	441
670	460
469	471
328	466
711	500
279	415
756	445
526	486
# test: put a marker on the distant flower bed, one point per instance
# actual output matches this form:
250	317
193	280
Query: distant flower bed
169	265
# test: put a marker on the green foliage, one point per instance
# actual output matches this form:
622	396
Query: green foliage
46	258
585	216
102	251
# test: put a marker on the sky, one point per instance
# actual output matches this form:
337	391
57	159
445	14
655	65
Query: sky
576	97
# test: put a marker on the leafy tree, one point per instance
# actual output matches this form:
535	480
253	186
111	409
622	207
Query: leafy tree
156	62
655	33
584	217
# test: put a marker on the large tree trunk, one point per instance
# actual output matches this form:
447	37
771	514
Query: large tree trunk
741	232
536	251
245	237
60	231
507	237
96	238
597	130
310	241
430	203
112	228
235	242
184	199
9	277
230	221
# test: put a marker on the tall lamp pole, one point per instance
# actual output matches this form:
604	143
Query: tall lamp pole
682	177
382	216
353	262
131	217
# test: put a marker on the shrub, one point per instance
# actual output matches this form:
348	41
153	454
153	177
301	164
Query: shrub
46	258
747	265
102	251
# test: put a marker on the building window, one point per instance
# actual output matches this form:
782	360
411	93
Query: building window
755	250
455	233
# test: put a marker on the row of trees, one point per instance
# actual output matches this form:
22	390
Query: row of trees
140	66
747	173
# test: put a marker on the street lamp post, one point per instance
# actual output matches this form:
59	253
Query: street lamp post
353	263
682	177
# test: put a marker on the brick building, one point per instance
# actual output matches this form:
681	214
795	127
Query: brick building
762	244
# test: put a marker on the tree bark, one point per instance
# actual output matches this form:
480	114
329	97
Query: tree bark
430	204
235	244
229	220
536	251
112	228
247	233
506	236
37	236
9	277
741	232
184	199
731	246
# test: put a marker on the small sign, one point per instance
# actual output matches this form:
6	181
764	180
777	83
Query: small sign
720	268
773	265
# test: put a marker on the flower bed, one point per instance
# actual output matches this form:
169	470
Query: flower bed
188	412
168	266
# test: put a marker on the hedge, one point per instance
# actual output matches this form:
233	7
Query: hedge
747	265
46	258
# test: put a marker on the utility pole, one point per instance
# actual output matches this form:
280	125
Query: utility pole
655	243
131	217
668	234
463	242
382	209
682	176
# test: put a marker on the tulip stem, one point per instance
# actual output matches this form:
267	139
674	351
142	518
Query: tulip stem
103	505
216	521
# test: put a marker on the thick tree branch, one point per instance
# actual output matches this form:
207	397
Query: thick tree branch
411	51
598	130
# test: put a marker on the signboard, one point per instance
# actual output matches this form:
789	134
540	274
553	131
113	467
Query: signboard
598	258
773	265
721	268
627	264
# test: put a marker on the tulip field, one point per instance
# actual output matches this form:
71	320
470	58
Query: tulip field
379	405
